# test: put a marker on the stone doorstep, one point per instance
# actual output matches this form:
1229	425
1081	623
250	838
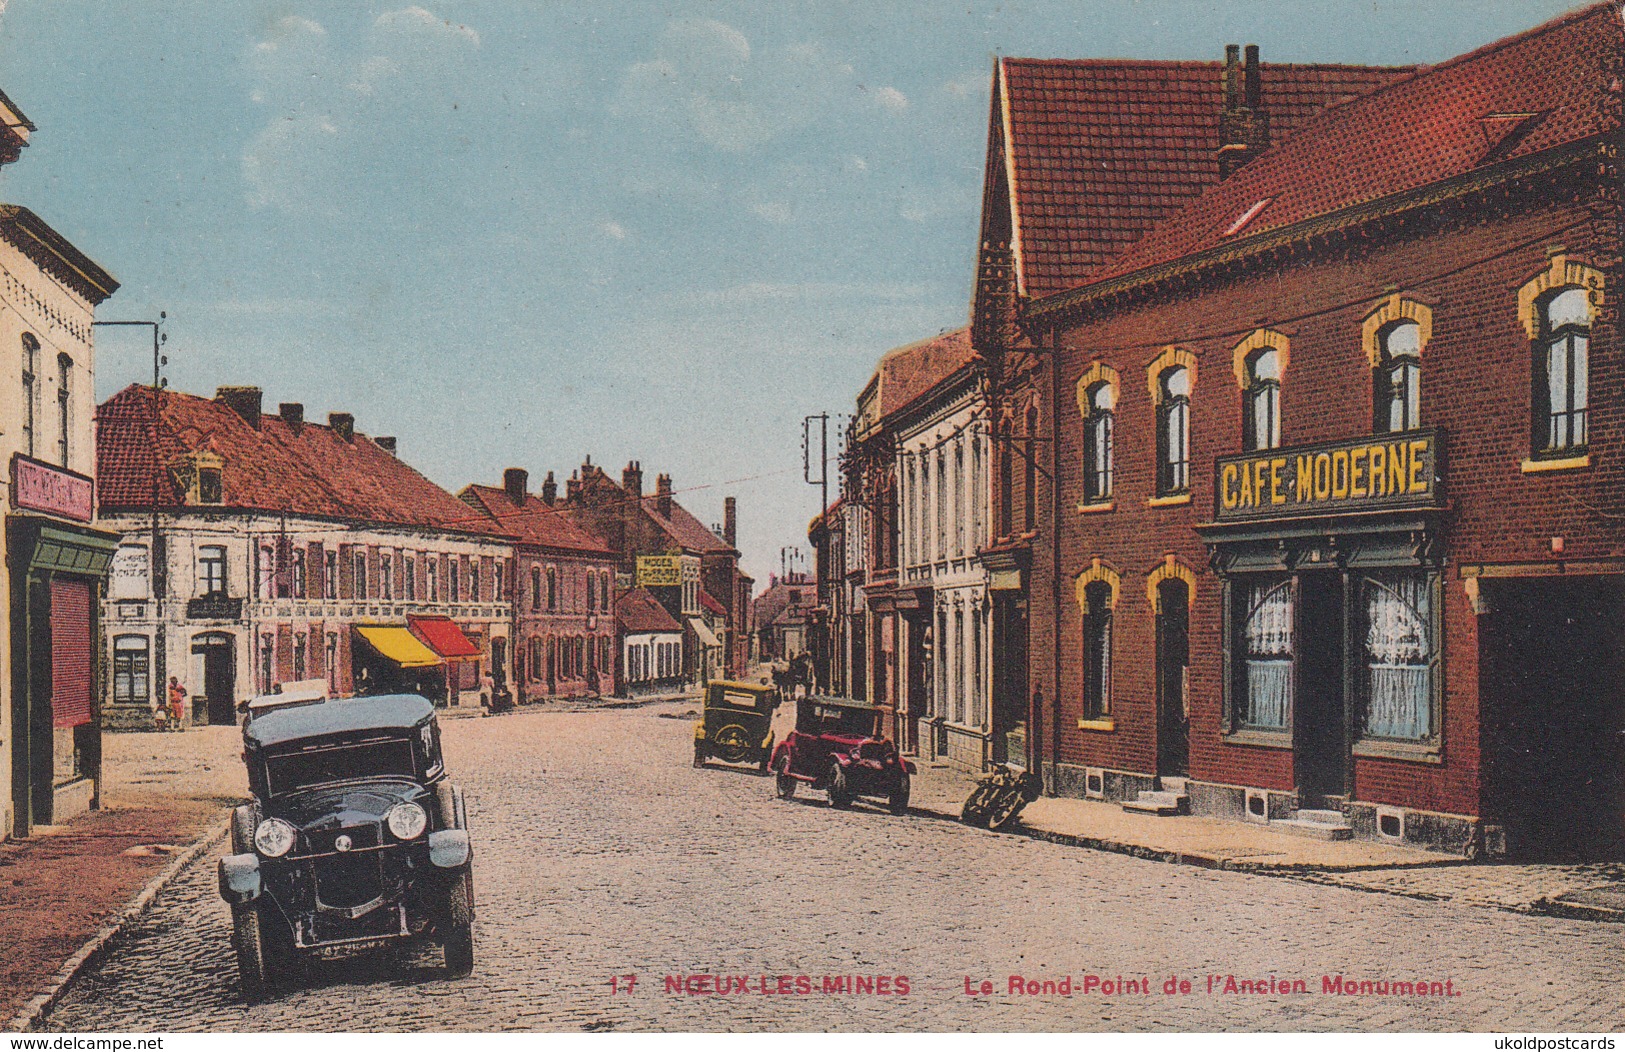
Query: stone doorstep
1161	803
1313	828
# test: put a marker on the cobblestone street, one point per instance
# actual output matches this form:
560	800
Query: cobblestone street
600	853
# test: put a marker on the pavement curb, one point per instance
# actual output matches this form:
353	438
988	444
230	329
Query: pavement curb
36	1009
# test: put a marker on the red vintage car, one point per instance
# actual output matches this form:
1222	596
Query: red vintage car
836	748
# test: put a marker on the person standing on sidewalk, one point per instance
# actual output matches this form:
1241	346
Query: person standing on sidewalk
177	702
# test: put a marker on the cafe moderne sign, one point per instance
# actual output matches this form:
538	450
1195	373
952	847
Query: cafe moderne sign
1363	474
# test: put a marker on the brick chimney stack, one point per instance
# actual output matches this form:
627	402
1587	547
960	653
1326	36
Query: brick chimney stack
514	483
385	443
550	490
1244	127
293	414
632	480
730	521
663	495
343	425
244	401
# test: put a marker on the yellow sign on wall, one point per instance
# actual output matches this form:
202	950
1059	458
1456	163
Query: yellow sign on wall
659	571
1383	471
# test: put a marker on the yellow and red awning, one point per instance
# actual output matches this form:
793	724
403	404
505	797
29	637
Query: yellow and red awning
398	645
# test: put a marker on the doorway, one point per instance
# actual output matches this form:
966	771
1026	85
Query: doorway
1009	678
219	659
1173	678
1552	670
1320	731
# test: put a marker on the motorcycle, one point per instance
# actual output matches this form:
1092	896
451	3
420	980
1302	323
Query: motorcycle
999	797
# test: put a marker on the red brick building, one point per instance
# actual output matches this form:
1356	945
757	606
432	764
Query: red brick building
563	589
1324	405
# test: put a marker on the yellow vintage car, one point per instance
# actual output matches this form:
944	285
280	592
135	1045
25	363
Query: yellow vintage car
737	726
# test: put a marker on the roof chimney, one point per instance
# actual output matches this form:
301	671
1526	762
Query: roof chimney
293	414
514	482
632	480
385	443
244	401
550	490
663	495
343	425
730	521
1244	127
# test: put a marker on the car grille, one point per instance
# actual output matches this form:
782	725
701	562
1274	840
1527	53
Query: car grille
344	881
361	838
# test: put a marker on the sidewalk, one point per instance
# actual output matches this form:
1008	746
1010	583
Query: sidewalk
1589	891
60	888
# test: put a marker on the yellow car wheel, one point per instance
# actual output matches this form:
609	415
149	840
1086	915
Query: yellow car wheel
732	744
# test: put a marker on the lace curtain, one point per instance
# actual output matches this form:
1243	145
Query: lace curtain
1268	639
1399	649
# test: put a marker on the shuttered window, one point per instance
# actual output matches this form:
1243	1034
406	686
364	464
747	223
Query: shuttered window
70	652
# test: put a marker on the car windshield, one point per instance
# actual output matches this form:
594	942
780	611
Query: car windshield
291	771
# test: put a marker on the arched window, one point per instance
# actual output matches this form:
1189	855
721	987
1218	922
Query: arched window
1561	369
941	509
1263	407
552	590
957	508
1097	450
978	501
1174	431
1396	394
1097	650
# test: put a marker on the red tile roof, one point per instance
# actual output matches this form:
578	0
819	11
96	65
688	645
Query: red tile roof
311	471
910	371
1440	122
1102	149
638	611
684	528
534	522
711	604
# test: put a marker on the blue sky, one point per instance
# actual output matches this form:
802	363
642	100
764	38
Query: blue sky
519	233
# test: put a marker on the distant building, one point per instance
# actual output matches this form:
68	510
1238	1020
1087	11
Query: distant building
783	617
651	645
562	589
288	550
55	563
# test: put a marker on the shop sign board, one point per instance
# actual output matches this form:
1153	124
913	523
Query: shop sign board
1370	473
659	571
37	486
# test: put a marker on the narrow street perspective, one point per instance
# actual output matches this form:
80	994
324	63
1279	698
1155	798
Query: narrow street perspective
601	854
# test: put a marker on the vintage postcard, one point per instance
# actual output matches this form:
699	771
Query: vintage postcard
717	515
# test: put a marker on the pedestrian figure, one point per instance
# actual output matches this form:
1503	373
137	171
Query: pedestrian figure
177	702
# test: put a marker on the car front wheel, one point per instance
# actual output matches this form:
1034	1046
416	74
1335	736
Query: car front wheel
898	801
840	794
782	782
245	938
457	941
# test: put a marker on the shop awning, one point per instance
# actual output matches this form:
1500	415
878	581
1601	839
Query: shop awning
707	637
444	637
398	645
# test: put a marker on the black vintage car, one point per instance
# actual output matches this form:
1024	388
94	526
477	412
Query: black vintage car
355	836
837	747
737	725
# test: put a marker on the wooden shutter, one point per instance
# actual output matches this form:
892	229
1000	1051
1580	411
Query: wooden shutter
70	652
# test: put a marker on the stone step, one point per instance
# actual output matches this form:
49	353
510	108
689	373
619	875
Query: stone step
1310	829
1170	784
1323	816
1158	803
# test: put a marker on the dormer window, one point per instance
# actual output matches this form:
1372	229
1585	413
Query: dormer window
200	477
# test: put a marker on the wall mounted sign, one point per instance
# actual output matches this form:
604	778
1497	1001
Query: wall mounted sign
1370	473
40	487
659	571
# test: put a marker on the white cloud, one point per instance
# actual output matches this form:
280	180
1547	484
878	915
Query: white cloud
773	211
706	82
416	20
614	230
967	85
892	99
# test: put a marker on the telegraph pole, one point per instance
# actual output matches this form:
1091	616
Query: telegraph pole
822	481
156	563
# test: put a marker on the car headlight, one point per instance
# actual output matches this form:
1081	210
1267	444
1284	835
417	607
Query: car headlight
275	838
407	821
699	730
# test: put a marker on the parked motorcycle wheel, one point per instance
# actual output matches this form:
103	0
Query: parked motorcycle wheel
975	812
840	795
1005	810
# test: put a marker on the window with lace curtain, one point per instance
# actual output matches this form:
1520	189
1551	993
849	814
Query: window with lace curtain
1266	649
1400	656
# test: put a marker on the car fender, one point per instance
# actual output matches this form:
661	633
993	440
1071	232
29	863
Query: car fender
781	752
908	765
240	879
449	848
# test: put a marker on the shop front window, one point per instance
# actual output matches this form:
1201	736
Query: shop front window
1267	647
1399	656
